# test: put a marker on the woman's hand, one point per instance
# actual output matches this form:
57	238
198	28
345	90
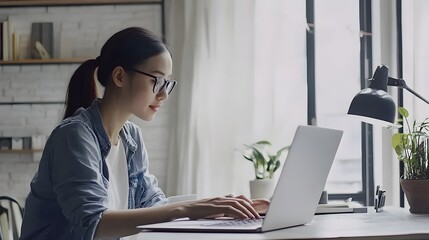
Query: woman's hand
236	207
229	206
260	204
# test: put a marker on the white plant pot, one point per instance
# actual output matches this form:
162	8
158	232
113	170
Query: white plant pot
262	188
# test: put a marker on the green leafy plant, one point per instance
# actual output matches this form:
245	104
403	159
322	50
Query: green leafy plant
411	147
264	163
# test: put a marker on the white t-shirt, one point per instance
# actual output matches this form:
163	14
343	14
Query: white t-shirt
118	178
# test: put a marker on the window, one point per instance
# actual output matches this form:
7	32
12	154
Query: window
338	66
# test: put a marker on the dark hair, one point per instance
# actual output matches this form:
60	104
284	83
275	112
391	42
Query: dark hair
126	48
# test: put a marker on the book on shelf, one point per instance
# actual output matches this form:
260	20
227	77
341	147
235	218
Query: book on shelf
11	45
5	40
1	38
10	41
15	46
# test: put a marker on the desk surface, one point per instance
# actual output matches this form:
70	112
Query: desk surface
392	223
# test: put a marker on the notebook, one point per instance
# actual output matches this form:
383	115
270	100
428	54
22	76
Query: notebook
297	193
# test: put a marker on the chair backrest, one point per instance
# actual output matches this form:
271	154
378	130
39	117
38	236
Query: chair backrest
11	214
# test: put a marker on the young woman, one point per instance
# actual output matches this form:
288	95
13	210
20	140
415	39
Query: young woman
93	179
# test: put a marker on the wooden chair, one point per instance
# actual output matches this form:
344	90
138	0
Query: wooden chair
11	214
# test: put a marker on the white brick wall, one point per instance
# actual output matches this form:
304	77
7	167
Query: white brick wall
79	32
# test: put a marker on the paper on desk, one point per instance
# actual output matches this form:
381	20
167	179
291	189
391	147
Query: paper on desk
340	207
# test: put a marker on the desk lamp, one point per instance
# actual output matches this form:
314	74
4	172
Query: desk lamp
373	104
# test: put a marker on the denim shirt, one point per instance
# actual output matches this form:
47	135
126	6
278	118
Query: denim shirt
69	191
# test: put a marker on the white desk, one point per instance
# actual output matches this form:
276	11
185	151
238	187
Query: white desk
392	223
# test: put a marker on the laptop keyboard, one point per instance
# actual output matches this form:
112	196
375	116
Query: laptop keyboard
237	222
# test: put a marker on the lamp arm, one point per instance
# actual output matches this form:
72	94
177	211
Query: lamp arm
402	84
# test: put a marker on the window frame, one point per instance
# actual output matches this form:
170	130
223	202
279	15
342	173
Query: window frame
366	196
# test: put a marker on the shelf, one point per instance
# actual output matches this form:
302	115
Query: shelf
20	151
24	3
44	61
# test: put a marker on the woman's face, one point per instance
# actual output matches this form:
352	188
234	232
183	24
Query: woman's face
143	102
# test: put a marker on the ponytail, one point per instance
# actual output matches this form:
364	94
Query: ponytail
82	89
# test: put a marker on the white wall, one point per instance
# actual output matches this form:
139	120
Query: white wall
82	30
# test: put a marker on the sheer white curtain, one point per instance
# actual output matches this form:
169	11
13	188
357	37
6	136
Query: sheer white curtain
416	55
242	78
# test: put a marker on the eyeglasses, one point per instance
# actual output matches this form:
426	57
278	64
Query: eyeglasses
159	82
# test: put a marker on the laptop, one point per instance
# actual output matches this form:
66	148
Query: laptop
296	195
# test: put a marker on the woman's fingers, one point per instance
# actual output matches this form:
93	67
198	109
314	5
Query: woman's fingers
249	201
244	198
243	206
222	206
231	211
213	210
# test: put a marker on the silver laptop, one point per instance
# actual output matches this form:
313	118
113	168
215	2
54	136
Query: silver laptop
297	193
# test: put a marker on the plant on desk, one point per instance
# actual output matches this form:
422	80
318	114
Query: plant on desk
265	165
412	149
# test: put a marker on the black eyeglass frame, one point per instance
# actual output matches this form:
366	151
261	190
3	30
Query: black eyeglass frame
156	79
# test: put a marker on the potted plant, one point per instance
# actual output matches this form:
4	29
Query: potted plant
265	165
412	149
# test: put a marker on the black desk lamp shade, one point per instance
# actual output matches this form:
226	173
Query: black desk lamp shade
374	102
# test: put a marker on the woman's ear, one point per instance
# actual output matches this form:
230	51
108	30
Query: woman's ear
118	76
